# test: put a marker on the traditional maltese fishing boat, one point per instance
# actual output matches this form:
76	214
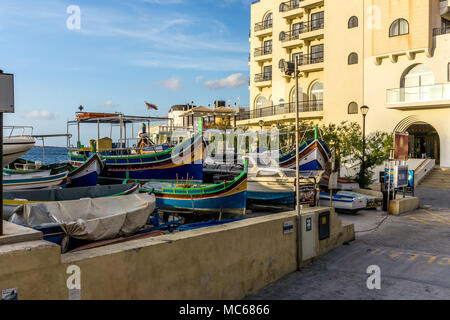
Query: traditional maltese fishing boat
225	197
123	161
313	155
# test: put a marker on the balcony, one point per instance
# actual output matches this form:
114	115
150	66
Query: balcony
263	79
263	28
440	31
263	53
311	62
423	97
306	32
309	4
291	9
308	109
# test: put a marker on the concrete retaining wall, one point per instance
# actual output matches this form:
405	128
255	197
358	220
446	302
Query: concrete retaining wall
223	262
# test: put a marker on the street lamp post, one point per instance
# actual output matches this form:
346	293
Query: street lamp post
364	111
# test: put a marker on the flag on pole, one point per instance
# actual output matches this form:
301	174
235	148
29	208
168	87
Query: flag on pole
150	106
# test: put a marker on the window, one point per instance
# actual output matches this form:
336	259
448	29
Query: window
317	20
399	27
281	64
353	22
260	102
418	76
268	20
353	58
317	53
298	57
353	108
316	94
297	28
282	36
267	73
268	47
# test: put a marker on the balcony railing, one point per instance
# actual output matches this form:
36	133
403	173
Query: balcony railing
439	31
284	108
304	27
310	59
263	51
263	25
290	5
266	76
434	92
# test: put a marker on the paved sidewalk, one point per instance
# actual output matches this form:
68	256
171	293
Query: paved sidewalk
412	250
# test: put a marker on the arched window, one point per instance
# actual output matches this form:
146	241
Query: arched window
268	20
353	108
316	93
399	27
281	64
282	36
353	22
418	76
417	83
353	58
260	102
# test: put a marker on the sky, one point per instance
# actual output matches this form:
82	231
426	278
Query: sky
111	55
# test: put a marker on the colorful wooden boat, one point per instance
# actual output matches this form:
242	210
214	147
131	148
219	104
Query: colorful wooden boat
124	162
313	154
226	197
33	181
13	199
86	174
182	161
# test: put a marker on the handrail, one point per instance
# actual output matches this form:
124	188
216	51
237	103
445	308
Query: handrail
284	108
12	128
305	27
290	5
267	24
265	76
263	51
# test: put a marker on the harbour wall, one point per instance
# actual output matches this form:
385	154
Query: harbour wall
228	261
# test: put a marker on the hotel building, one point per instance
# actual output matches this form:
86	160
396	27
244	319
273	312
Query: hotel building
391	55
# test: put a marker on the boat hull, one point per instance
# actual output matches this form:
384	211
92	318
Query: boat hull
14	147
273	190
86	174
343	202
220	198
30	181
182	162
313	157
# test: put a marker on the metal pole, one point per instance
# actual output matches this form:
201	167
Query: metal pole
363	167
1	175
297	165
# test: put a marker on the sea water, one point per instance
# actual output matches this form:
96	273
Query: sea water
52	155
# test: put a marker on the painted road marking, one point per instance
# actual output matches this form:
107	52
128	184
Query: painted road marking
428	217
409	256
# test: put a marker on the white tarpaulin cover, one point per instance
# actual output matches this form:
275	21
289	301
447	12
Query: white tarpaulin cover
91	219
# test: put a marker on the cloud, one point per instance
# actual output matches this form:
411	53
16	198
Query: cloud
108	104
173	83
236	80
39	115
